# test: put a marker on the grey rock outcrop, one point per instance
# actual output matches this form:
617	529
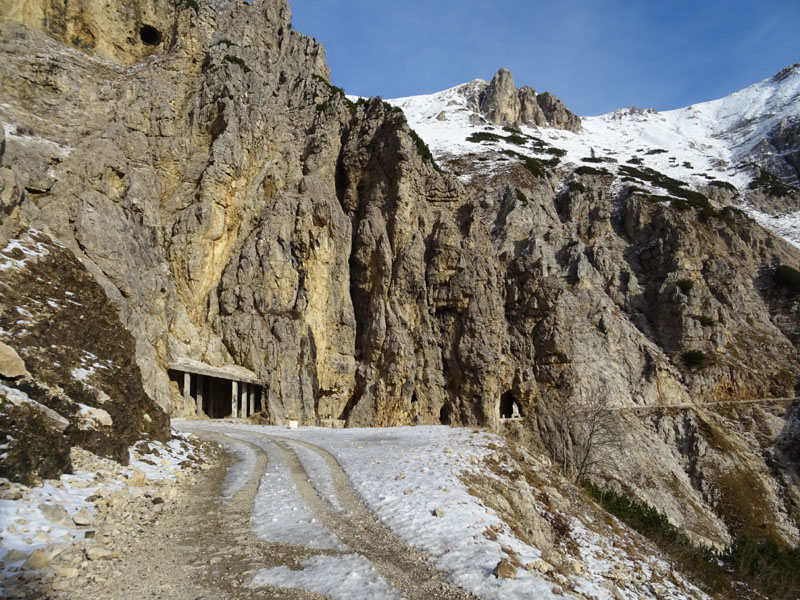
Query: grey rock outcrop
503	104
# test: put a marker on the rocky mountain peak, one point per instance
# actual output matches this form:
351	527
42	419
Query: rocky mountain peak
501	103
787	72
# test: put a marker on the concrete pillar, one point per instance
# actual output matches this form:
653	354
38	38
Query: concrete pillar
200	383
245	404
187	389
252	390
234	399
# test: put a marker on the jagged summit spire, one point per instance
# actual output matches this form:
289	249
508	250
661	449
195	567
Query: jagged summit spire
502	103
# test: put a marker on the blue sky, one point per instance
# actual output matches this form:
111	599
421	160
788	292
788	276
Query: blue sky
595	55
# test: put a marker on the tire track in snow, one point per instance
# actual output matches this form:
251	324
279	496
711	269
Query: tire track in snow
377	565
407	570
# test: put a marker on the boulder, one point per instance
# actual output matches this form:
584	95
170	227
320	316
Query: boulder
505	570
11	365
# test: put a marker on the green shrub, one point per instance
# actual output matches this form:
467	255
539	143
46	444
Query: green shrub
659	198
484	136
576	186
540	146
584	170
700	563
522	197
634	160
673	186
642	518
695	359
766	565
389	108
724	185
556	151
537	167
236	60
516	130
519	140
788	277
656	151
771	184
333	89
705	321
423	150
679	204
192	4
685	285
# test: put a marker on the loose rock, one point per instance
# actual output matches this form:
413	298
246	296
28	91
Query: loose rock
505	570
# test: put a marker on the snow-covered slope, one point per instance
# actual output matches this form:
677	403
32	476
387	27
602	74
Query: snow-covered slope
715	140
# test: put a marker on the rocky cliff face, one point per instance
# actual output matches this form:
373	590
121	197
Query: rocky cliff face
236	208
779	150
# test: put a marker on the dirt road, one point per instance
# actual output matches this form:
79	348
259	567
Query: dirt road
206	546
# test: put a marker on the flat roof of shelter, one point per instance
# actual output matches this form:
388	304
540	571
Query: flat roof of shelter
232	372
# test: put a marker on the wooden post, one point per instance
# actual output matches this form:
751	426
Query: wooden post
200	383
187	388
234	399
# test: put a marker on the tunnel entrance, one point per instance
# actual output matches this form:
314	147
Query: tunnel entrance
444	415
217	392
509	409
149	35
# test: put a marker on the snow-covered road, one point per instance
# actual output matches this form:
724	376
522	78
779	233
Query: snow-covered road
304	501
386	513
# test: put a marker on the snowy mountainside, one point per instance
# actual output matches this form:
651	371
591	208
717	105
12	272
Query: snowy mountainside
718	141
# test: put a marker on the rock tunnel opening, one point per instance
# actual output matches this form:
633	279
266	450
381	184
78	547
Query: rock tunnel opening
149	35
509	409
217	397
444	415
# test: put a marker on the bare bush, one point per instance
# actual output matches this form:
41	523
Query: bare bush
581	435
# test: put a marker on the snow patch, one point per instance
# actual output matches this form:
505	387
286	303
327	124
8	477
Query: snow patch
241	471
21	520
344	577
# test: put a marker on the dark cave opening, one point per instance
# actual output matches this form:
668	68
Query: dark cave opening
444	415
149	35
